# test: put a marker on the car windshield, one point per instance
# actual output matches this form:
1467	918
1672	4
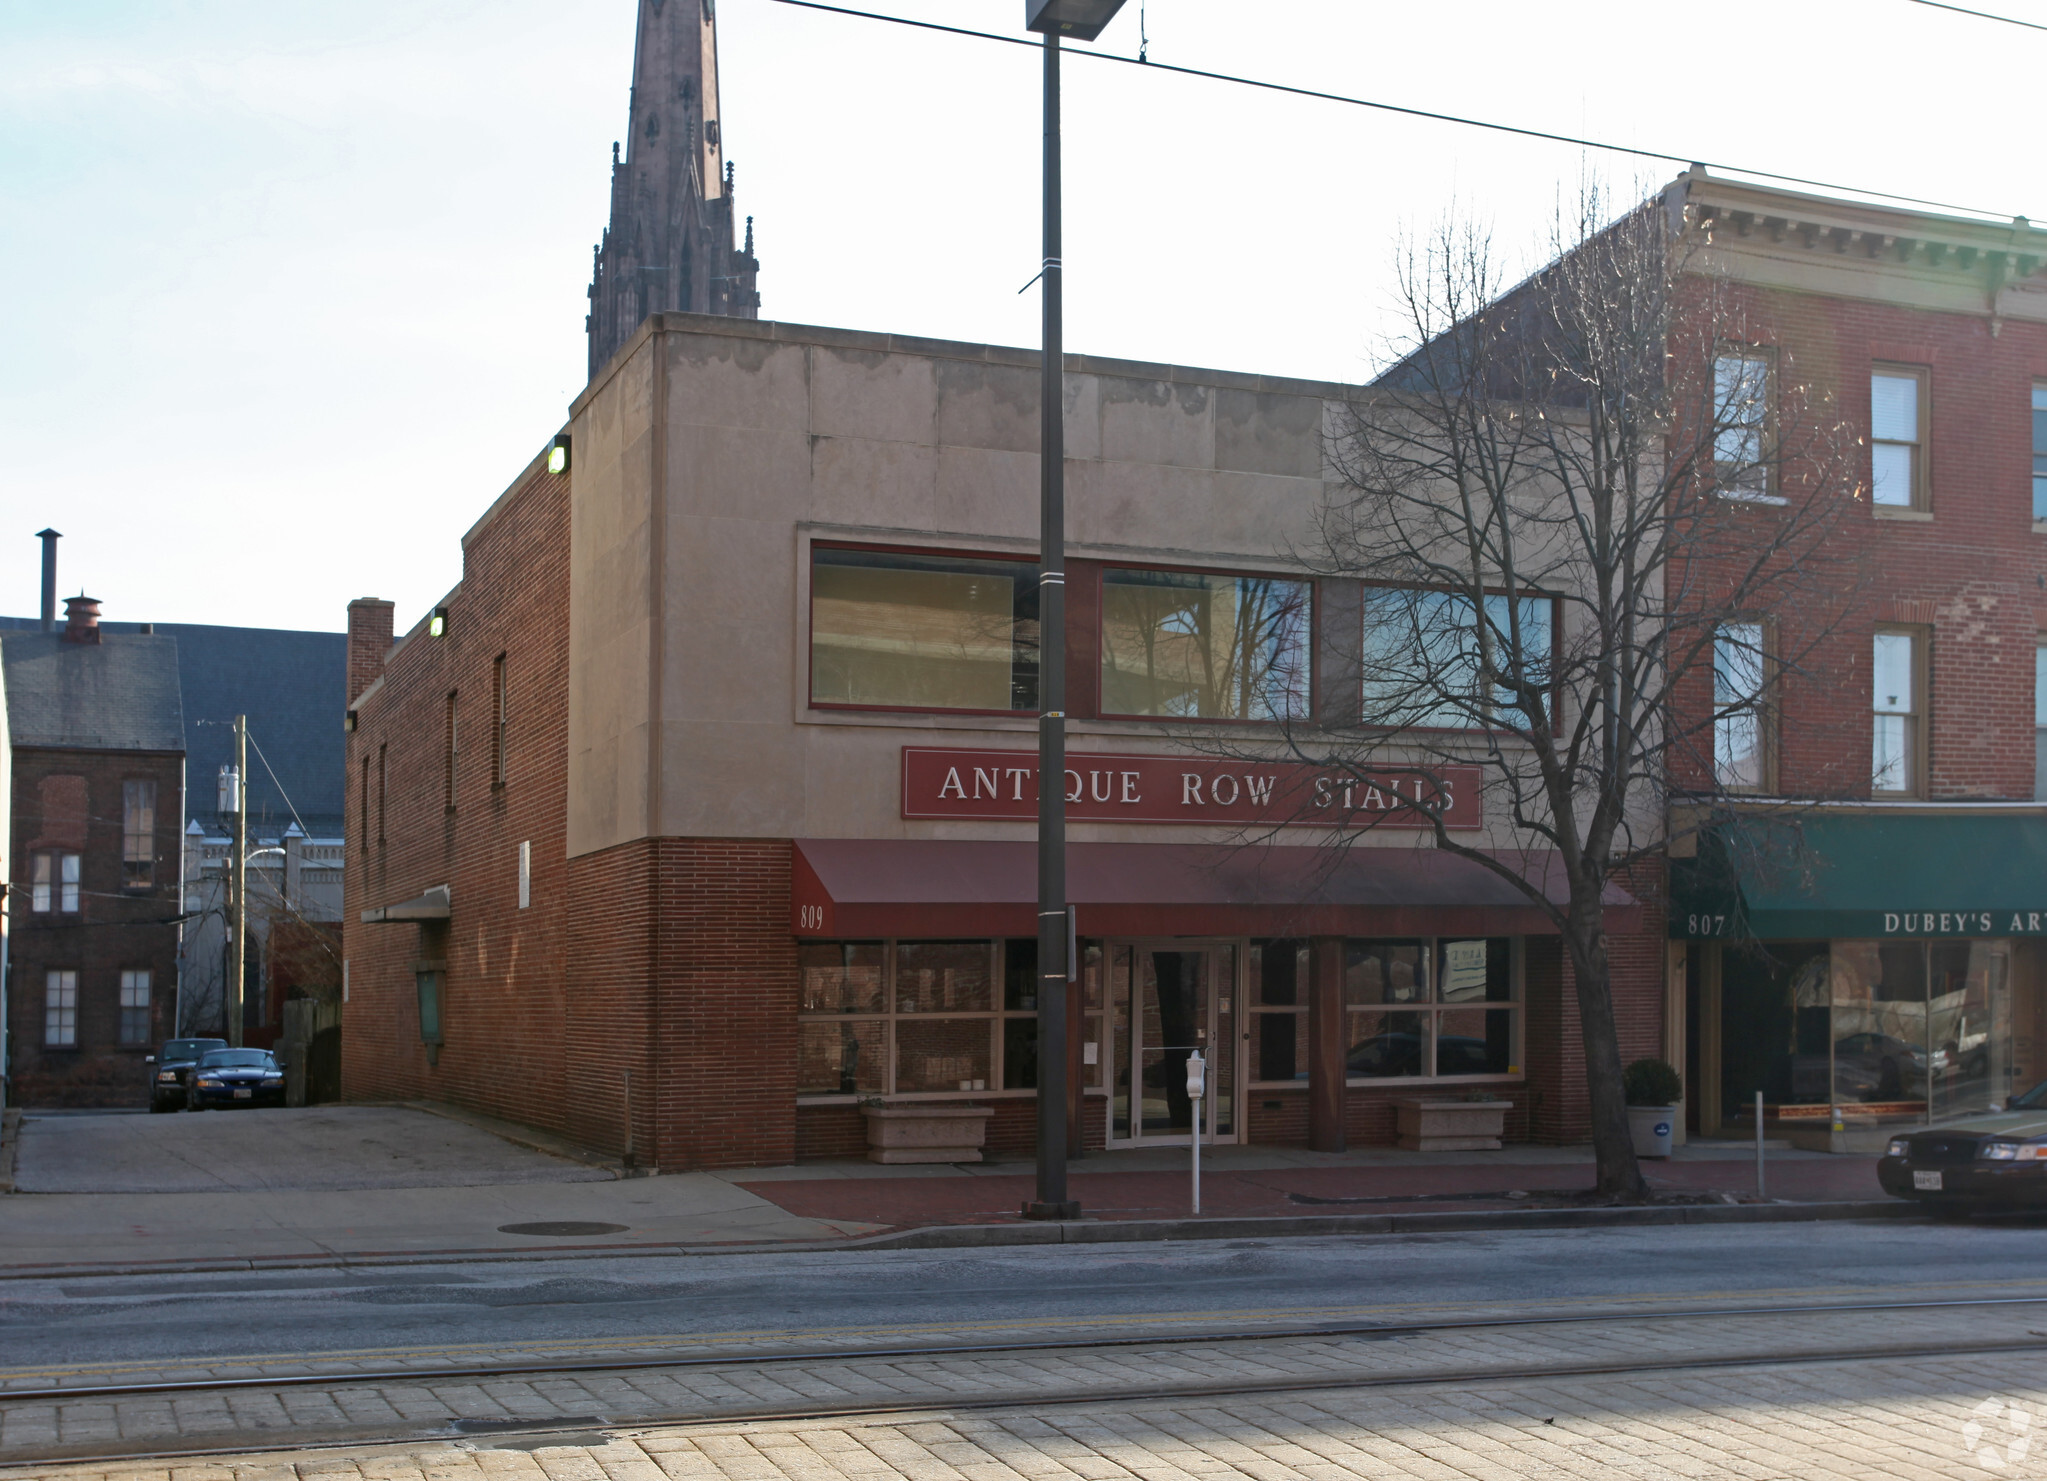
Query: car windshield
238	1059
2033	1100
189	1048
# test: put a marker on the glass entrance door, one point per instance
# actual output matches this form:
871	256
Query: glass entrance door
1166	1000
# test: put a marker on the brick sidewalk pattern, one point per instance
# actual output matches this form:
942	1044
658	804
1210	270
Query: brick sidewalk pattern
1902	1419
33	1429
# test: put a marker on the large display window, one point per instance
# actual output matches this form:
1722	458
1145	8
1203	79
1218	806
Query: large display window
1905	1030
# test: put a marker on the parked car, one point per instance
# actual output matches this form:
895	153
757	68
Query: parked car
235	1077
170	1066
1998	1159
1866	1067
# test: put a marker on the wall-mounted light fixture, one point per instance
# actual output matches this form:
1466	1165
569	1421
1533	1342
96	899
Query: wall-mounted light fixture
558	455
437	625
348	722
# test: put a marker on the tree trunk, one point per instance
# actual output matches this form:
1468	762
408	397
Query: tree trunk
1613	1145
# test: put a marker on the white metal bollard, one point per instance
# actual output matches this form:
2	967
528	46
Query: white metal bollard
1197	1089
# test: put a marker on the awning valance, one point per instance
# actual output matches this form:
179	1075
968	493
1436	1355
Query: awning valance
433	905
844	887
1829	875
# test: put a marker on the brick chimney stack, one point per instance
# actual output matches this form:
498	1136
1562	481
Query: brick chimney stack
370	630
81	619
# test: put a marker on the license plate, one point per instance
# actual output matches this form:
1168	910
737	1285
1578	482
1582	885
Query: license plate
1926	1182
246	1094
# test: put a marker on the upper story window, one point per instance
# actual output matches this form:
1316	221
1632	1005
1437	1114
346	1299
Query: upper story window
135	1023
53	883
1424	656
1742	398
60	1009
2040	451
138	834
1897	422
2040	719
501	713
1898	722
450	749
897	630
1740	738
1187	645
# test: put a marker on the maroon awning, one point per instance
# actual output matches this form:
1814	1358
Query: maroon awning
858	887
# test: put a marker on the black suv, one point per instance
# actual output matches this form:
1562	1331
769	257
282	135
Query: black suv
171	1066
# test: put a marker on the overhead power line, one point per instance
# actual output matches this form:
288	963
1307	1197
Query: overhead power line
1983	15
1475	123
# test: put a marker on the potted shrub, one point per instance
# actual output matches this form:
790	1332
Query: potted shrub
1652	1090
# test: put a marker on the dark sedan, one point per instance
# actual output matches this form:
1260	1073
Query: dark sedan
171	1066
235	1077
1998	1159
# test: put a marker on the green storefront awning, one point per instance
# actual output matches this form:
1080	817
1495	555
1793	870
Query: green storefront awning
1827	874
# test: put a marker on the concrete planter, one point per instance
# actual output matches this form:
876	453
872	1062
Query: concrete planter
1651	1128
1451	1125
926	1133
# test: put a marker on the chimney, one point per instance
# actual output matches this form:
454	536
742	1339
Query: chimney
81	619
49	539
370	627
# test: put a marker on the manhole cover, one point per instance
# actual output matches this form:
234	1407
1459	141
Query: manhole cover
561	1227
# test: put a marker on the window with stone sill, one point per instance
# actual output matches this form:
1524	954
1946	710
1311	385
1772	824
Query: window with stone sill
1430	1008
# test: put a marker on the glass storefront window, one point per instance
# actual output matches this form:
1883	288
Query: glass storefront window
1915	1030
896	630
917	1017
1279	1011
840	976
1462	995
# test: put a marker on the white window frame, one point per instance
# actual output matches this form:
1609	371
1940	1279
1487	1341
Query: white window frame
60	1008
135	998
1912	713
1741	651
1915	500
1753	476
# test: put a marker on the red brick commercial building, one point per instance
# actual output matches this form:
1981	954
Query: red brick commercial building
94	859
1863	944
715	774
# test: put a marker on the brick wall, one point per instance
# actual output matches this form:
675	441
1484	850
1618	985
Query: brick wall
115	930
506	982
1975	573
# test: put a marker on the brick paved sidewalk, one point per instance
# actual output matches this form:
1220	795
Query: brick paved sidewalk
1916	1420
993	1195
424	1404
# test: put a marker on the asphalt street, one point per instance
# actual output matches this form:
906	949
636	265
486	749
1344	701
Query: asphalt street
871	1299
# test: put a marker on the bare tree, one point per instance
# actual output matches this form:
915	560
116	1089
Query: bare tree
1594	535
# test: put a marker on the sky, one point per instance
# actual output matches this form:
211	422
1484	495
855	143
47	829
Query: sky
290	293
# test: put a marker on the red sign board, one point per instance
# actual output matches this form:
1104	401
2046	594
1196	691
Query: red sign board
1102	787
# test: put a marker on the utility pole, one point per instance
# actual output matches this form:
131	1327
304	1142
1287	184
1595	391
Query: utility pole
238	887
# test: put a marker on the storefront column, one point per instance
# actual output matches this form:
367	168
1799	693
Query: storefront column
1325	1045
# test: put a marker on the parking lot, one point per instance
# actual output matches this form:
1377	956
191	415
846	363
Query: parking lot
318	1148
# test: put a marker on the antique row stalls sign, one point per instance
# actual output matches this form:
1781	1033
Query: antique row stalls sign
1104	787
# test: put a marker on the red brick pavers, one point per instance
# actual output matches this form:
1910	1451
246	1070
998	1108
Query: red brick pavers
906	1202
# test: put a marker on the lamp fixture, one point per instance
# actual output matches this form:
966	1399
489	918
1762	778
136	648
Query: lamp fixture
558	454
437	625
1076	20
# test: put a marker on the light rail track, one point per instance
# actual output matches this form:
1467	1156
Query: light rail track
1368	1330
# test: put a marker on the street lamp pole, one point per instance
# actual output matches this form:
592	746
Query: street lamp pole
1083	20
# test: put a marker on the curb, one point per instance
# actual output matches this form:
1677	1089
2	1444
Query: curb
1080	1231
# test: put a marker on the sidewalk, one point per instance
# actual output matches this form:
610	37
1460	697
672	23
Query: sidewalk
1274	1182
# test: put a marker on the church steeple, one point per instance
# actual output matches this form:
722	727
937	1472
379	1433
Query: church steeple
670	244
